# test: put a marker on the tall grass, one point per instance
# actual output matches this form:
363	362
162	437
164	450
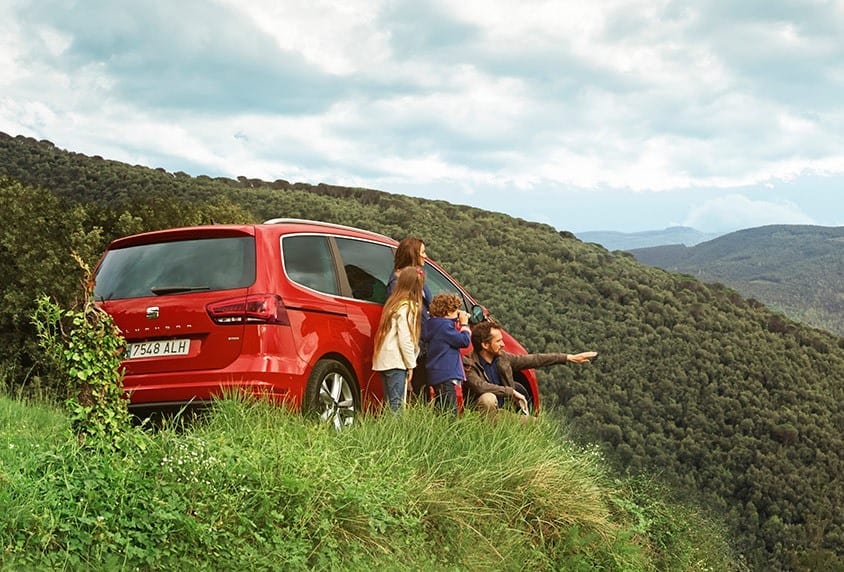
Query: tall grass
252	486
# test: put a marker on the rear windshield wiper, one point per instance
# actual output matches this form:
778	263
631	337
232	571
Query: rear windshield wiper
162	290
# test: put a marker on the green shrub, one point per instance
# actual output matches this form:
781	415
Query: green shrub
85	347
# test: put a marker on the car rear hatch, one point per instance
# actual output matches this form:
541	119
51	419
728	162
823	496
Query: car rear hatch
180	298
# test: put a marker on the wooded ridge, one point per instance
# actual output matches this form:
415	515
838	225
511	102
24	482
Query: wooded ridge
612	240
795	269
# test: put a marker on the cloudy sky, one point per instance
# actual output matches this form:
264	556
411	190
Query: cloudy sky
623	115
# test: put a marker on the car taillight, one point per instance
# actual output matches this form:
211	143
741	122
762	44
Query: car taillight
256	308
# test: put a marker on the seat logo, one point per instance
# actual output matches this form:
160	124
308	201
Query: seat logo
152	313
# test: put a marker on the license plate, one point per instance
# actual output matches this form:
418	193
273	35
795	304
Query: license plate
160	348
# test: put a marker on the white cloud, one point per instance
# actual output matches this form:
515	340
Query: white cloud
526	99
10	43
339	37
733	212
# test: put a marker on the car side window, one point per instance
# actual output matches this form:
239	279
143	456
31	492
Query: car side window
308	261
438	283
368	266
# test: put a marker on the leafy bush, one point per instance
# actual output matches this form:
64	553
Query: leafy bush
85	346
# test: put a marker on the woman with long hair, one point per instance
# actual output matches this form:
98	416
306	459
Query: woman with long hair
396	342
410	252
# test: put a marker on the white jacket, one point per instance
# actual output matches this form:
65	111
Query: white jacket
398	351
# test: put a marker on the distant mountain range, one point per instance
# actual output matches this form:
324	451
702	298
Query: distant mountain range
795	269
612	240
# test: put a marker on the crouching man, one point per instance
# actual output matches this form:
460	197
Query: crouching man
489	369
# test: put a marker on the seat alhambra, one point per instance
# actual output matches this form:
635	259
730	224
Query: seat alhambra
284	309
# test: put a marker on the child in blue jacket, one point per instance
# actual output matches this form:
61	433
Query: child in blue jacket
446	332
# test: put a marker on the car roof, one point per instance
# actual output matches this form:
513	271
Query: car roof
281	225
299	225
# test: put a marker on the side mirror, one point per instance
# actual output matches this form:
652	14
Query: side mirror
477	315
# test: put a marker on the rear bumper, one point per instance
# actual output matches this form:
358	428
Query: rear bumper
260	377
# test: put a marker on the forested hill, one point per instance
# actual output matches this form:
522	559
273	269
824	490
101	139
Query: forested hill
716	394
796	269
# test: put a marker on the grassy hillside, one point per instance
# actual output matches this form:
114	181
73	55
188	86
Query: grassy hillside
731	403
795	269
252	487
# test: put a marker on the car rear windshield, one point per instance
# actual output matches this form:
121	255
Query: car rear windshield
176	267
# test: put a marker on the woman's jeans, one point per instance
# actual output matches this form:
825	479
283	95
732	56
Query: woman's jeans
394	382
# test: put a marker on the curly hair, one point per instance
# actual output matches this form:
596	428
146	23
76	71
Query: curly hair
444	304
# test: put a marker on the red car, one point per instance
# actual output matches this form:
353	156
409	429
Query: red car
284	309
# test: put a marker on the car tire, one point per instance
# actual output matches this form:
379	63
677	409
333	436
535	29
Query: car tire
332	395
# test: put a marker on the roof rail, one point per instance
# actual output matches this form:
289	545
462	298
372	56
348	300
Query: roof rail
320	223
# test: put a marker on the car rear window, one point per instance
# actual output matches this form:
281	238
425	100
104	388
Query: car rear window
176	267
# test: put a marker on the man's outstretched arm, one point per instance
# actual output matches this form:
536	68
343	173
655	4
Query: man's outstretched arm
531	361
